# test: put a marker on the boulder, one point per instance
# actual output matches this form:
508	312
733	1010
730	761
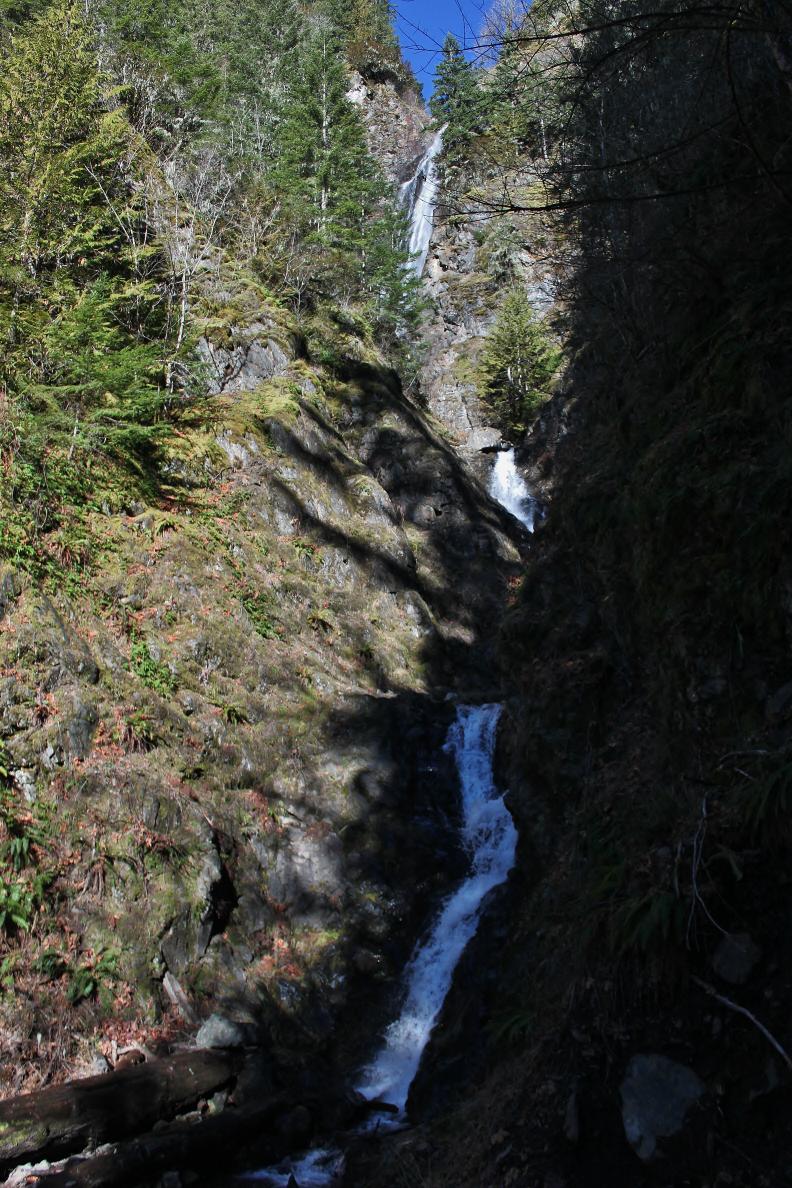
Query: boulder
221	1032
657	1096
735	958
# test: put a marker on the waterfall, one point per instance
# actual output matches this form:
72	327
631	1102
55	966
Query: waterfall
417	196
509	489
490	838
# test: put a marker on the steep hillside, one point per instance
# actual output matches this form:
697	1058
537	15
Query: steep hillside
209	723
243	575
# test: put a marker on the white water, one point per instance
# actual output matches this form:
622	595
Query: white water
490	837
509	489
418	196
317	1169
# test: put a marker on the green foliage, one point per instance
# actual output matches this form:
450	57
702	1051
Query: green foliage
513	1027
648	923
153	673
229	134
85	979
457	101
517	365
24	871
396	301
89	978
51	964
80	364
765	802
372	46
324	170
18	904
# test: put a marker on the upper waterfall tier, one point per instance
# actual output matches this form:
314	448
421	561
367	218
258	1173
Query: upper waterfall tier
418	197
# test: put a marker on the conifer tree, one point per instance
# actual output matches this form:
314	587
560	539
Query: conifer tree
74	296
517	363
372	46
457	101
396	295
325	174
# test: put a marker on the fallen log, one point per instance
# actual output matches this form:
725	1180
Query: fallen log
65	1119
210	1144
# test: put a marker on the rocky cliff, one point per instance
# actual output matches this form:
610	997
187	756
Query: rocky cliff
475	253
221	710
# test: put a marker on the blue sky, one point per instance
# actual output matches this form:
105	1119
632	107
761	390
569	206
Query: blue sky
423	24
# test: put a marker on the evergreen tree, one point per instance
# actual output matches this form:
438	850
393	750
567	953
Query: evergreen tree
517	363
457	101
522	109
158	51
325	175
396	295
74	295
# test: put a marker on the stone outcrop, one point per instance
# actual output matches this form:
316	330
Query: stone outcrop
658	1096
397	124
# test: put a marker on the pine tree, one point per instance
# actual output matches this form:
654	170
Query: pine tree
521	111
517	363
457	101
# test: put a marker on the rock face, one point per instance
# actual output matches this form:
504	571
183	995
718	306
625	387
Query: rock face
397	123
466	281
238	711
657	1097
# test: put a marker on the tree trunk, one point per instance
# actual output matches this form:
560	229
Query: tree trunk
65	1119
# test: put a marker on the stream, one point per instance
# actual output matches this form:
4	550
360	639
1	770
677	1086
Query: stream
490	839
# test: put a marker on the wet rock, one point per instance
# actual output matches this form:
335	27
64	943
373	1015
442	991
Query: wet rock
217	1102
177	996
735	958
26	782
10	589
372	964
572	1119
395	119
657	1096
180	943
51	757
69	654
306	875
247	364
483	438
777	706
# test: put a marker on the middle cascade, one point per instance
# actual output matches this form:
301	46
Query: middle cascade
508	488
490	837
